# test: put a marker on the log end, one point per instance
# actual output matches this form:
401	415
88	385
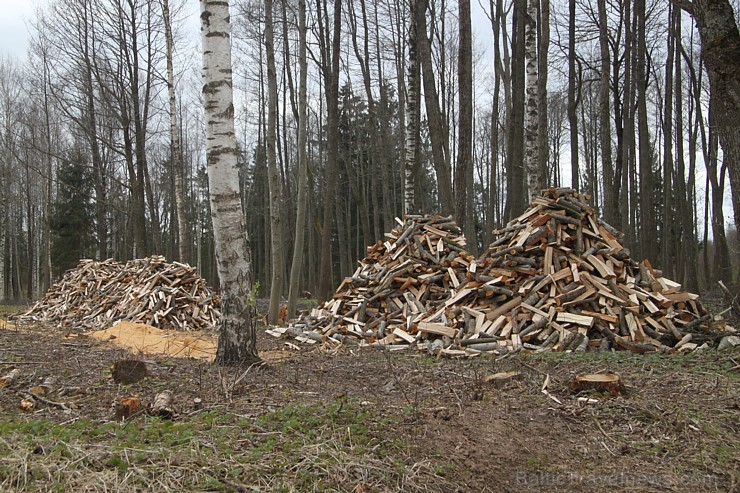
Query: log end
607	382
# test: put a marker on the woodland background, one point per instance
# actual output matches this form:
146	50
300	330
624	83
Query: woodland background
93	166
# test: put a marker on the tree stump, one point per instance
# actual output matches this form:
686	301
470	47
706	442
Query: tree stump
127	407
607	382
128	371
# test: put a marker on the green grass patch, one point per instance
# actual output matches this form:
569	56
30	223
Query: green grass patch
296	448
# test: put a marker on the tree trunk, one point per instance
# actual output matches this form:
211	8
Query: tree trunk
276	223
183	229
516	200
237	343
572	102
464	184
720	48
684	191
543	125
531	132
412	114
437	130
296	265
611	201
667	241
648	239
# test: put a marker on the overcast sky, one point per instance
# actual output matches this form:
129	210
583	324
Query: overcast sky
13	26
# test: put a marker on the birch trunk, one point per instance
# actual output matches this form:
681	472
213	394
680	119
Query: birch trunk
300	221
531	138
276	223
237	343
412	115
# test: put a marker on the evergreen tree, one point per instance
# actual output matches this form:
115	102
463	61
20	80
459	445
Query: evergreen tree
73	219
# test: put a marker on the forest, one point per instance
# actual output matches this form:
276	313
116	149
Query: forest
414	106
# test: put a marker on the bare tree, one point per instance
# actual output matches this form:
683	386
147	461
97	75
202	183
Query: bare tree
300	223
276	220
183	229
720	48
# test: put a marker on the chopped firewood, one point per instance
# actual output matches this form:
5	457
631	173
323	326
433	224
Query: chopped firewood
163	405
607	382
27	405
128	371
498	380
44	388
10	377
127	407
149	290
555	278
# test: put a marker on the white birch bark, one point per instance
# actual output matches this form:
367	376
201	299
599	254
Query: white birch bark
531	137
237	339
412	115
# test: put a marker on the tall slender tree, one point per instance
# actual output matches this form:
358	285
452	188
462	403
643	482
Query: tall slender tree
464	183
276	219
296	265
183	228
237	342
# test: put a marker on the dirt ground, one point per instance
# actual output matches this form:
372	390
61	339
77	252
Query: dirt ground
362	421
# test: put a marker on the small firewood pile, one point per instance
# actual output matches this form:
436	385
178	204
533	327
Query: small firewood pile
149	290
556	278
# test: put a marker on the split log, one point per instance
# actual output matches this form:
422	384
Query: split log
8	379
163	405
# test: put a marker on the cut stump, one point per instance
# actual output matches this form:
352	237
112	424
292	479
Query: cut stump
607	382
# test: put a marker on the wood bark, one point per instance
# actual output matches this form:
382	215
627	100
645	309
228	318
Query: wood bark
237	343
515	186
465	212
413	100
531	130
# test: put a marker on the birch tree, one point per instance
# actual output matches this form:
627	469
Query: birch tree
412	113
531	131
237	342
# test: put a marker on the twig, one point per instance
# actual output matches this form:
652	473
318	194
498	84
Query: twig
60	405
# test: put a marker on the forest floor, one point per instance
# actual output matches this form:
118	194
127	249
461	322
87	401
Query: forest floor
363	421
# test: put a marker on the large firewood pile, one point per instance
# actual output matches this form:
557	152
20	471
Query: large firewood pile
149	290
555	278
